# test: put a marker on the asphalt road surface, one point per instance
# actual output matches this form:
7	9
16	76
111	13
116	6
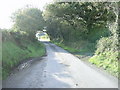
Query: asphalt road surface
59	69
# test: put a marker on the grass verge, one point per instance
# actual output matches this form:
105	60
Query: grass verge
75	48
109	64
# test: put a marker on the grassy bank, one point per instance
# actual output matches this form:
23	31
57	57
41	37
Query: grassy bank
108	64
78	48
71	50
107	55
83	52
13	52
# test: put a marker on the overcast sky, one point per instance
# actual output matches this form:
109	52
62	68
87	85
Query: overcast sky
7	7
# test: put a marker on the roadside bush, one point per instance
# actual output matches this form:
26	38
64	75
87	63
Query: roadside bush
106	55
104	44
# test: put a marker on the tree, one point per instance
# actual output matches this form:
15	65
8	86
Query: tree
78	19
29	20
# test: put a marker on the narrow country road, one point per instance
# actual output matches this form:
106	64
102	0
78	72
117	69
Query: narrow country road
59	69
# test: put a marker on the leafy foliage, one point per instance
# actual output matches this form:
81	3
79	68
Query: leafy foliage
28	20
107	62
77	20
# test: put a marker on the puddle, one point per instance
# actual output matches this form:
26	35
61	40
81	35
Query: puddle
28	63
24	65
